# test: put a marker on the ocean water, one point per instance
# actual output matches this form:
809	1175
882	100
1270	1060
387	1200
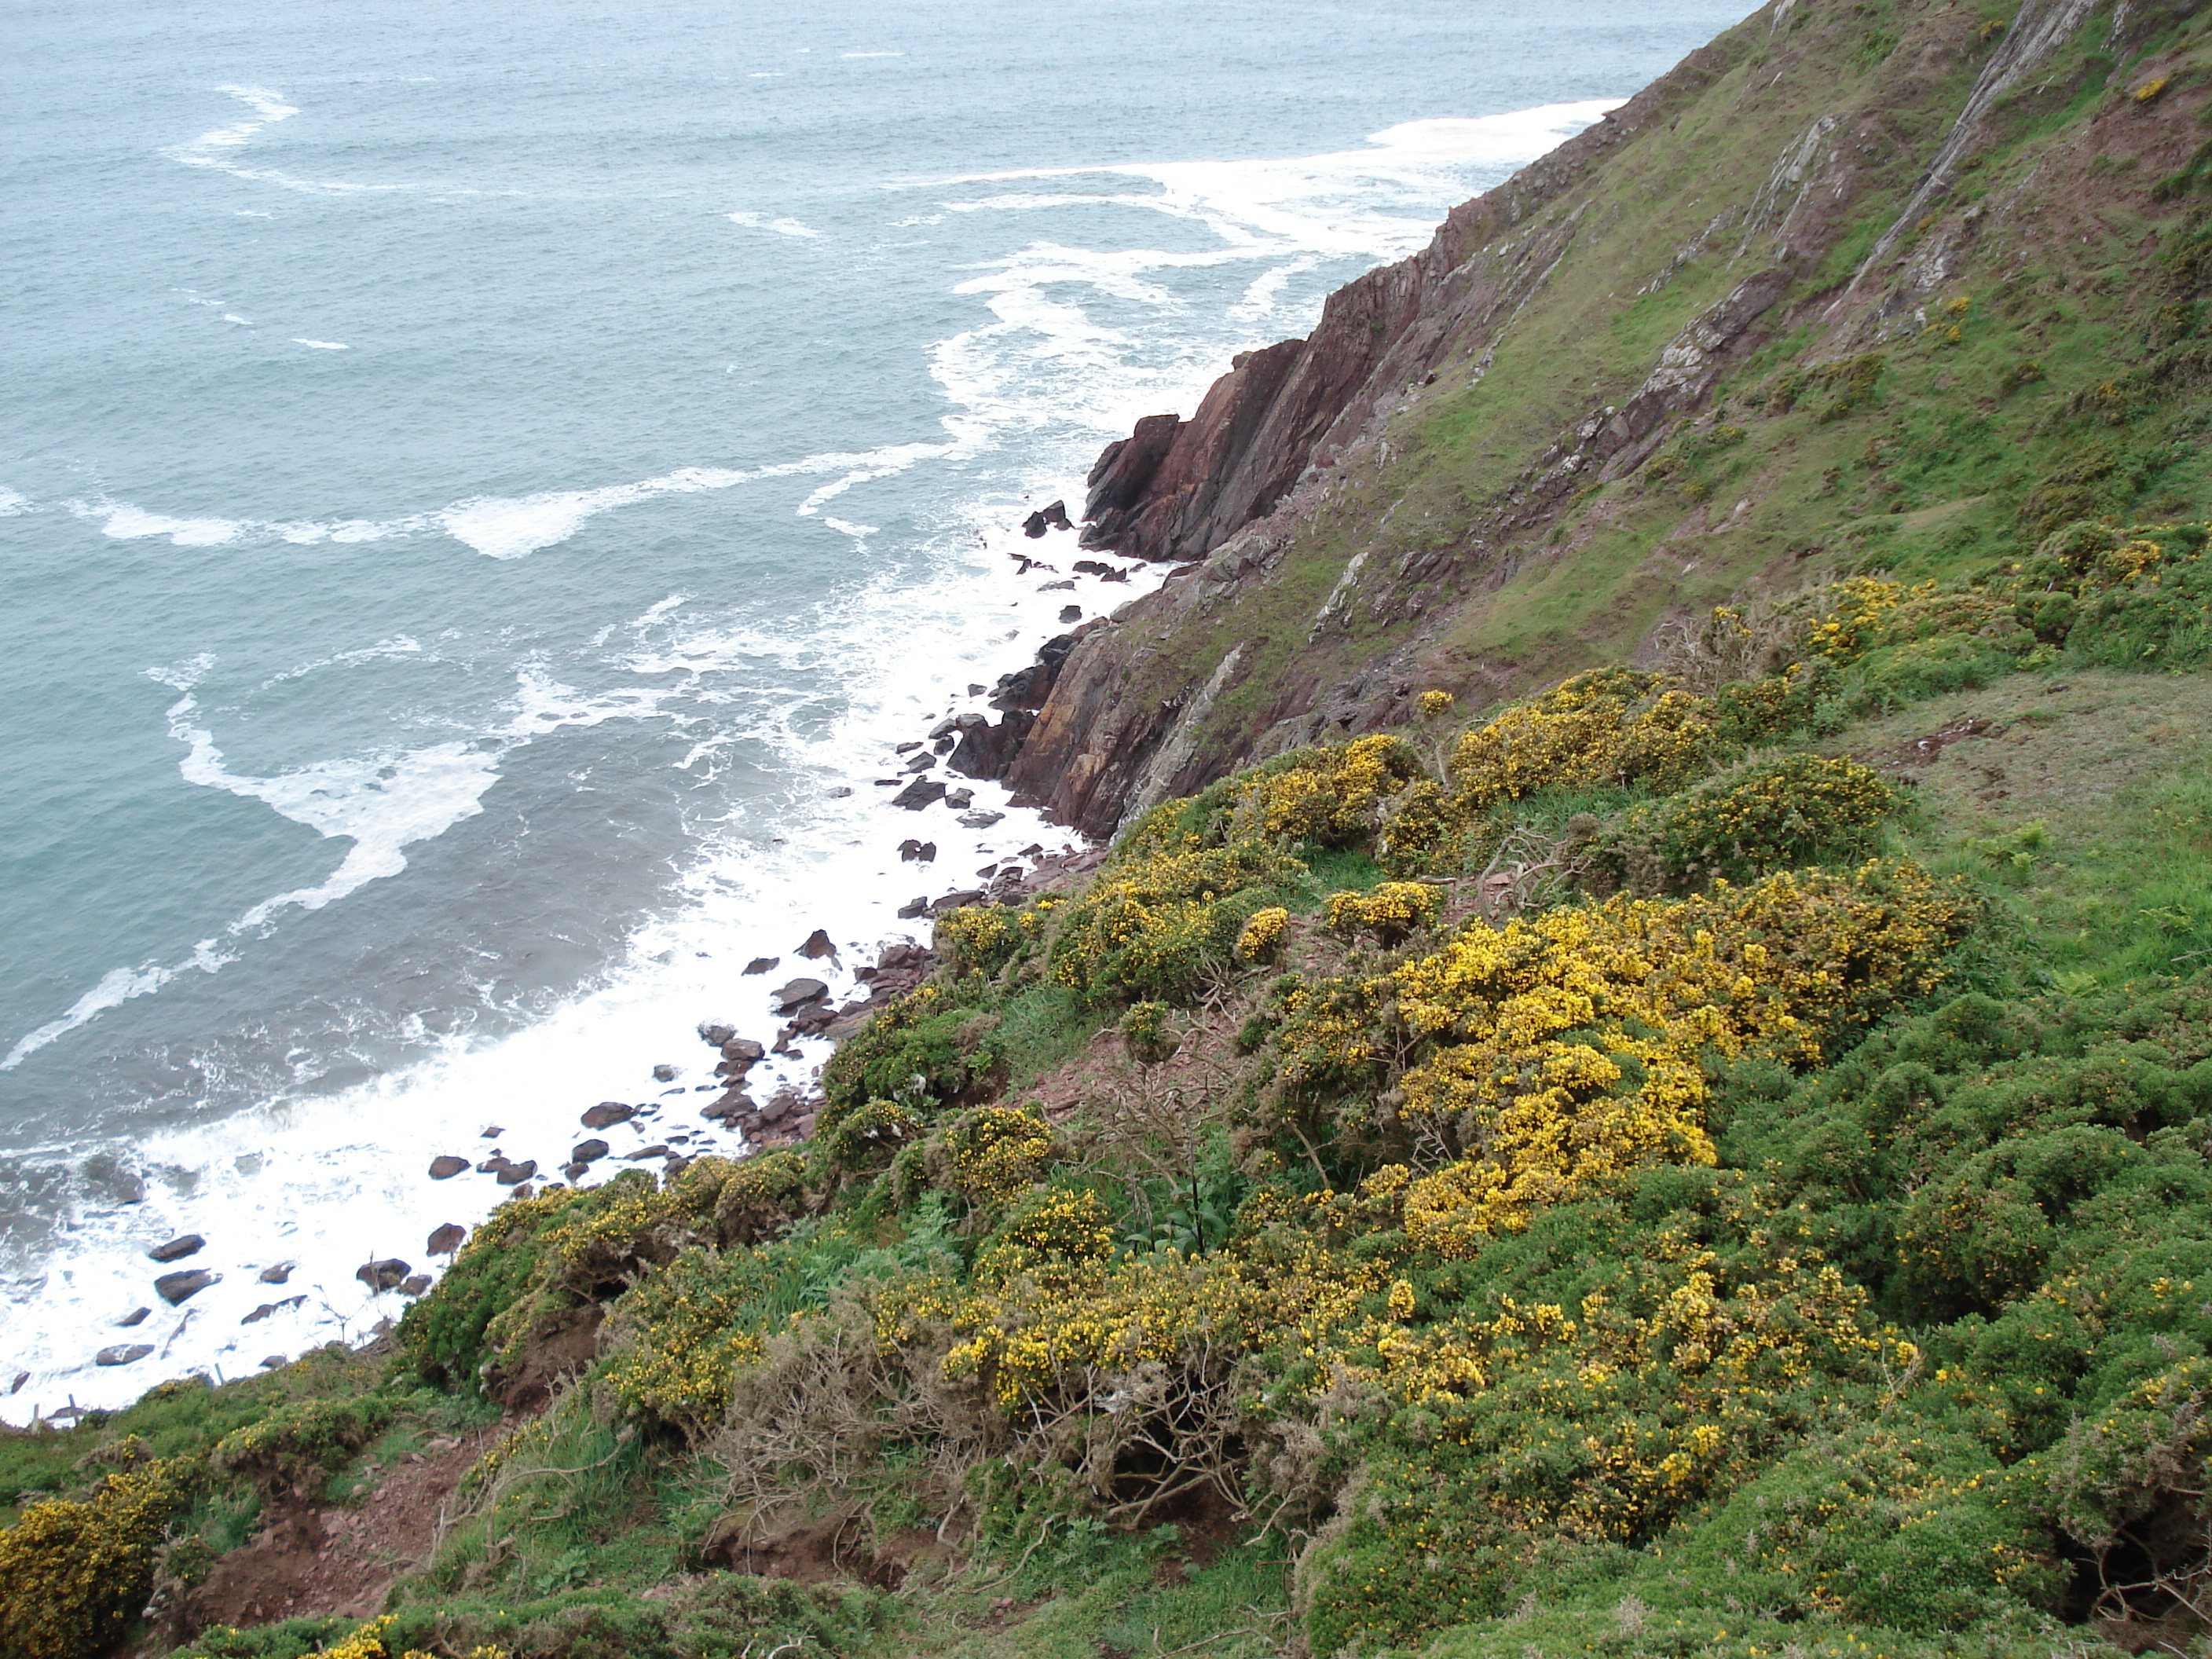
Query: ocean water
483	493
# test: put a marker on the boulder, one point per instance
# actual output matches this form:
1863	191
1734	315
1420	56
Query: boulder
980	820
799	993
574	1171
960	800
920	763
920	793
387	1273
181	1287
987	751
274	1362
742	1051
1055	514
715	1034
664	1074
975	690
525	1190
445	1166
762	964
447	1239
589	1151
414	1284
136	1316
959	901
1064	583
840	791
127	1353
268	1309
917	852
515	1174
607	1114
645	1152
904	748
1034	525
817	946
914	907
178	1249
277	1272
1070	613
494	1163
491	1132
729	1109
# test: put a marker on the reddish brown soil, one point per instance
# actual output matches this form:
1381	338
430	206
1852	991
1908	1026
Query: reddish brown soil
312	1560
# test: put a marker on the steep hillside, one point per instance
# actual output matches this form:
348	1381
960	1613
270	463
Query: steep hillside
1681	1123
1864	285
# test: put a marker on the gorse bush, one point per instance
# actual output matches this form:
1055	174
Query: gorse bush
74	1573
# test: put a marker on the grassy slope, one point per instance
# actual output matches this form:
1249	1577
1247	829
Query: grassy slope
2050	240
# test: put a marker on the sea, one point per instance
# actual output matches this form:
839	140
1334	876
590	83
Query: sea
485	491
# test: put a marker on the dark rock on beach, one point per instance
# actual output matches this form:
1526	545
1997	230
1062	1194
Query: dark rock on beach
414	1284
817	946
1070	613
664	1074
980	820
178	1249
589	1151
914	907
960	800
959	901
177	1288
447	1239
799	993
123	1354
917	852
276	1274
920	793
384	1274
445	1166
607	1114
515	1174
762	964
715	1034
136	1316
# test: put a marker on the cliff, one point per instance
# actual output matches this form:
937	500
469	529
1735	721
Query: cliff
1637	1079
1446	484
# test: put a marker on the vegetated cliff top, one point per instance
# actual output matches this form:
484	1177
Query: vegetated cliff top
1858	285
1709	1156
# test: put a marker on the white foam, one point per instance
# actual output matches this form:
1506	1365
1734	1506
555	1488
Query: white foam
322	345
781	227
129	524
12	502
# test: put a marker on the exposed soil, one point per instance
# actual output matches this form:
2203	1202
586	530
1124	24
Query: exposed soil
313	1560
831	1551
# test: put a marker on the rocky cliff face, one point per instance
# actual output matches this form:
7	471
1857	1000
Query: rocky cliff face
1401	500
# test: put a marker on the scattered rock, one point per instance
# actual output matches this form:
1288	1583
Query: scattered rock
1054	587
515	1174
960	800
178	1249
123	1354
1052	516
492	1132
715	1036
446	1239
920	793
177	1288
525	1190
920	763
414	1284
664	1074
840	791
589	1151
493	1164
975	690
742	1051
980	820
277	1273
914	907
917	852
904	748
607	1114
269	1309
762	964
645	1152
959	901
445	1166
1070	613
136	1316
817	946
943	745
274	1362
385	1274
799	993
574	1171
